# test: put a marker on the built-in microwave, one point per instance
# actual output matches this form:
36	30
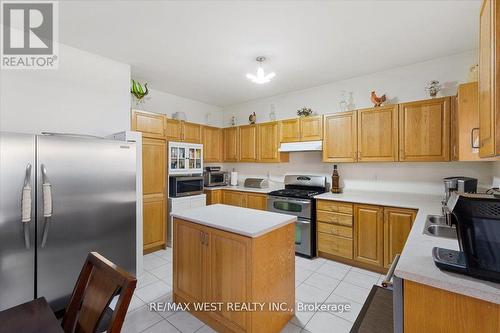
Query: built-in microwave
183	186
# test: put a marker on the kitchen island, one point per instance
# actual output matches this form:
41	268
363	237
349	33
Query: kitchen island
235	267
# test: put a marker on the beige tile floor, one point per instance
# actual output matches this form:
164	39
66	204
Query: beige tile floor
317	280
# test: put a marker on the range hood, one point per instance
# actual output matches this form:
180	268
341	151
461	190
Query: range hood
301	146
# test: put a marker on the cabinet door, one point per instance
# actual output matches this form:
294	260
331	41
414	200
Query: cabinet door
368	234
339	137
378	134
486	80
248	143
257	201
230	275
397	226
311	128
465	123
190	269
234	198
153	229
191	132
212	144
173	129
268	142
289	130
231	145
150	124
424	130
213	196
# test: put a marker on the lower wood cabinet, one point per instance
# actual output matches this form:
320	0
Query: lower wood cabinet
368	234
154	233
242	199
257	201
212	265
234	198
397	226
213	196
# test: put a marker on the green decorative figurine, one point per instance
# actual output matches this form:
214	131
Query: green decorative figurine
138	91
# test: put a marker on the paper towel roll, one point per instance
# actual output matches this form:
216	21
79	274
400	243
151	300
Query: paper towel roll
234	178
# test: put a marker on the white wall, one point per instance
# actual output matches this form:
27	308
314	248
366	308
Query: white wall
166	103
400	84
87	94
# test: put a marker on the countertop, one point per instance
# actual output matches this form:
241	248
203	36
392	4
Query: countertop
416	263
242	188
243	221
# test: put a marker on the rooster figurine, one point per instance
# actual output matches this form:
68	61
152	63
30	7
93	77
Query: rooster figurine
377	101
252	118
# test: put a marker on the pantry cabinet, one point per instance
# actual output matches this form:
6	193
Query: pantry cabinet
489	105
424	130
212	144
378	134
248	143
173	129
397	226
154	194
150	124
268	143
368	234
301	129
231	144
339	137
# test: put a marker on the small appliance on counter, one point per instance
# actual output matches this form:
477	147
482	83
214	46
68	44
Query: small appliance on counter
256	183
184	185
456	184
477	217
214	176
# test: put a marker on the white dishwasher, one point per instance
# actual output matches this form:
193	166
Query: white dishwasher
176	205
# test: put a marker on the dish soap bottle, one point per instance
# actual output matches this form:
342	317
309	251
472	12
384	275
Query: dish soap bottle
335	180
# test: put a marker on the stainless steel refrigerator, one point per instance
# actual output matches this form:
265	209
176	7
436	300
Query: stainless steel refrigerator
62	196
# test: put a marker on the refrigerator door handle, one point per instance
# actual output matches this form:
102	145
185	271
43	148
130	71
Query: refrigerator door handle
26	206
47	204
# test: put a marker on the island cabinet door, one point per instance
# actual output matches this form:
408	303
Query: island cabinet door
230	277
368	234
190	261
397	226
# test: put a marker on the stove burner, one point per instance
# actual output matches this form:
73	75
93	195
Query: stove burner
296	193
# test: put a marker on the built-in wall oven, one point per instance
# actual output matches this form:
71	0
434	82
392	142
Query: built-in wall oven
183	186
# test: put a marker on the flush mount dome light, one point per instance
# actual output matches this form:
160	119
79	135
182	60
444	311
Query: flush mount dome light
261	77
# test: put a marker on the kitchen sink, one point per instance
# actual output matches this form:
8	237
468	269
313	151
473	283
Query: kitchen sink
435	225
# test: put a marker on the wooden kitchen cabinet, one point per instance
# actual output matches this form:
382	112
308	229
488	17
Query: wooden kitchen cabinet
424	130
489	105
231	144
257	201
234	198
154	197
213	196
173	129
289	130
150	124
334	224
301	129
191	132
339	137
212	144
397	226
368	234
268	143
378	134
248	143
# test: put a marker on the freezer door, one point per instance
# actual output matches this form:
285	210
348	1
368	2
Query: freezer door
17	243
86	202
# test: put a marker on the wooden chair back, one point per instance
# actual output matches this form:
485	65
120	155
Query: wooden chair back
99	281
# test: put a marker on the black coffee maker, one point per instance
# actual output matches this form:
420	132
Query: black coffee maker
477	218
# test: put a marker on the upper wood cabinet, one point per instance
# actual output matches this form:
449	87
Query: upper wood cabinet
150	124
191	132
301	129
231	144
489	101
397	226
339	137
289	130
212	144
465	124
153	166
173	129
268	143
424	130
248	143
368	234
378	134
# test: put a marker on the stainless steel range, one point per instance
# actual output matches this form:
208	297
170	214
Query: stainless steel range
297	199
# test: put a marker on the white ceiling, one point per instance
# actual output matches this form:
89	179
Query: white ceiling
203	49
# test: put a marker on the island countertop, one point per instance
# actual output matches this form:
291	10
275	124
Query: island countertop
243	221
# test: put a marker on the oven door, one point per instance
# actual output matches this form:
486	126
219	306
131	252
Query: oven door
185	186
298	207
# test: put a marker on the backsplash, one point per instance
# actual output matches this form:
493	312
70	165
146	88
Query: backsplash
399	177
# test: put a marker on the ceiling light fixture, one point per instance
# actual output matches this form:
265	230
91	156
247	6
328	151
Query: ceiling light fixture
261	77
